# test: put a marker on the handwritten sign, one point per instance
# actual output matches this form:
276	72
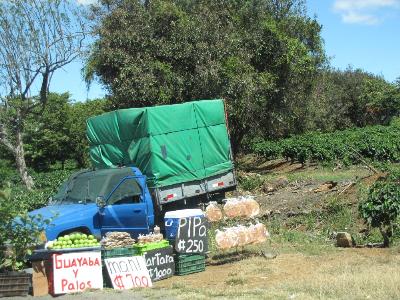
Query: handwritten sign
160	263
75	272
128	272
191	237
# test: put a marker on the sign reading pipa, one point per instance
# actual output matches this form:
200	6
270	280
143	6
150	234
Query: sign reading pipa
191	237
128	272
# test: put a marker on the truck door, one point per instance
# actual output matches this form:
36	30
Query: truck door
126	209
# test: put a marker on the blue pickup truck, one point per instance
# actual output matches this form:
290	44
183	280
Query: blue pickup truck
117	199
147	161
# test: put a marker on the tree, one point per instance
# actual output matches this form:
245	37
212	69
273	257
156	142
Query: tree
47	136
37	37
352	97
78	114
261	56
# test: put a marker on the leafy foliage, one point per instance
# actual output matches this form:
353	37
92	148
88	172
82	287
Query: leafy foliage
78	114
18	234
57	132
342	99
46	186
47	133
379	143
260	56
381	208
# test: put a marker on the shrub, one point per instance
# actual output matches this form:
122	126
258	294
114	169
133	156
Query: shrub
46	185
378	143
17	234
381	208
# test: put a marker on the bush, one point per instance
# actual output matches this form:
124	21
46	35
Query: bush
17	234
378	143
381	208
46	185
249	182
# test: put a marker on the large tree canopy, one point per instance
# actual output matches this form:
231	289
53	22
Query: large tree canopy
262	56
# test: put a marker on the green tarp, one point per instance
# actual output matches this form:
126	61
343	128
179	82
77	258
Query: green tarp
169	144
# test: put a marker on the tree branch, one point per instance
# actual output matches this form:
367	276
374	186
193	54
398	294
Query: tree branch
4	139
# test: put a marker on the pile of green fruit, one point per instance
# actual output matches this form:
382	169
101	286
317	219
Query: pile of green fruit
75	240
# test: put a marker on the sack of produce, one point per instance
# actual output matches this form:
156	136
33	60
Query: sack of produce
222	241
251	207
252	233
231	208
233	236
117	239
243	237
261	233
240	236
150	238
213	212
243	207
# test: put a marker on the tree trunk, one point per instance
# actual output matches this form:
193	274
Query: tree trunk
386	232
21	164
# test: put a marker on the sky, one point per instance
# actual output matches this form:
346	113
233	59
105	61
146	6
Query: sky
359	33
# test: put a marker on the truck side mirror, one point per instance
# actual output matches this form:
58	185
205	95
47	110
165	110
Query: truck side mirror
100	202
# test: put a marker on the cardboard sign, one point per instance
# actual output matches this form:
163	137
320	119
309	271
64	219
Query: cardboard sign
191	237
75	272
160	263
128	272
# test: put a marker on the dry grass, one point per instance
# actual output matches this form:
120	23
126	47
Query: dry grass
341	274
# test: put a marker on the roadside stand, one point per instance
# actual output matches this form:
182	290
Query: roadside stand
77	262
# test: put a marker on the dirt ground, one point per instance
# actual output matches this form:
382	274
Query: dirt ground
291	189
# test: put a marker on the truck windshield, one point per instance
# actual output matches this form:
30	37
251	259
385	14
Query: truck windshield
85	188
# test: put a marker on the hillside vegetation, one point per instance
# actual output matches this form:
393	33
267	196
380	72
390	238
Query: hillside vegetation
351	146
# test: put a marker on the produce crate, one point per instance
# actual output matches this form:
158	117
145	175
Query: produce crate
142	248
189	263
14	285
118	252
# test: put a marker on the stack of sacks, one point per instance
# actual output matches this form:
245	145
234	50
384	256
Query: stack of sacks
213	212
240	236
242	207
117	239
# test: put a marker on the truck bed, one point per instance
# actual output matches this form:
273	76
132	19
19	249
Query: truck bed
198	188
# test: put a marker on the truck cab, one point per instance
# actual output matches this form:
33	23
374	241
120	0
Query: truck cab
98	201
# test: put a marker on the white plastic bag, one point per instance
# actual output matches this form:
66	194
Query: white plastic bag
213	212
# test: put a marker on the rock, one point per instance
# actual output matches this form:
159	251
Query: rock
344	239
326	186
268	255
277	184
281	182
